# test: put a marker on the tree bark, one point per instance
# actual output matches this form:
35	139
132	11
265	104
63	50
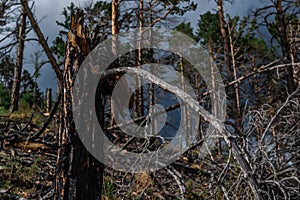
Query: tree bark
15	96
79	175
294	38
115	42
115	17
285	47
232	92
236	101
140	91
213	88
225	40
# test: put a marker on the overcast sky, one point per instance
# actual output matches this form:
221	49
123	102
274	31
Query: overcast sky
50	11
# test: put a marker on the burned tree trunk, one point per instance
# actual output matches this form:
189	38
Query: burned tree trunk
79	175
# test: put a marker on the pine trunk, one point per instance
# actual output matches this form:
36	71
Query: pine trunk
232	92
285	47
140	92
79	175
15	96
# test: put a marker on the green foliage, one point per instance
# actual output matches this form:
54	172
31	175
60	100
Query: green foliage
182	6
4	111
99	8
208	28
24	174
67	13
94	12
273	25
58	47
108	189
7	71
27	99
27	82
30	92
35	59
250	52
187	29
4	97
244	36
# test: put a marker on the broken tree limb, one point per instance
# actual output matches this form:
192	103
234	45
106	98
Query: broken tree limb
45	125
42	40
215	122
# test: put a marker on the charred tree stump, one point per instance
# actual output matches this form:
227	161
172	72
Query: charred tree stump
79	175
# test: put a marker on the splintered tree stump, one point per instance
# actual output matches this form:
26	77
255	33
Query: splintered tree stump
79	175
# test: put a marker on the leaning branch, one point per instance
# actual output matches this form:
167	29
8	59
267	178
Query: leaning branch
261	70
42	40
163	17
170	108
215	122
52	113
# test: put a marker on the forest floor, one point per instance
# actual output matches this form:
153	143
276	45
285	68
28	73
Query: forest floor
27	167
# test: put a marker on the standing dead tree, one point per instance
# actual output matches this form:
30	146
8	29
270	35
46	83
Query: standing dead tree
79	175
15	96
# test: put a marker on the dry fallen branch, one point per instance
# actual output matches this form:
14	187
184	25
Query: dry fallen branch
216	123
45	125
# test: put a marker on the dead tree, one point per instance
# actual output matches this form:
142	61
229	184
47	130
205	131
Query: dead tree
15	95
232	92
79	175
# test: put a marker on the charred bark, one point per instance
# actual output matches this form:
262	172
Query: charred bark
79	175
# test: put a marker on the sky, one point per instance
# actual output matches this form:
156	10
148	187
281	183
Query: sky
50	12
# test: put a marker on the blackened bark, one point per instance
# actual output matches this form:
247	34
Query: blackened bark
79	175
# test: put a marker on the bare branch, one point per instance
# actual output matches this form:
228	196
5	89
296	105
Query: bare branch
216	123
42	39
